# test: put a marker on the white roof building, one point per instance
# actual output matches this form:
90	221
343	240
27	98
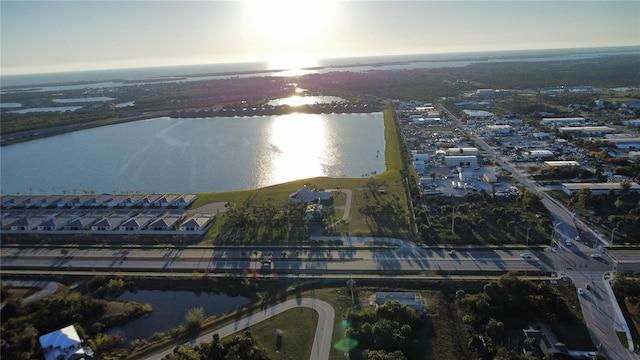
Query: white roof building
462	161
64	344
588	130
555	122
305	195
540	154
198	222
561	163
625	142
462	151
596	188
499	129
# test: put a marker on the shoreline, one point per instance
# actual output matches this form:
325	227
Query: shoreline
26	136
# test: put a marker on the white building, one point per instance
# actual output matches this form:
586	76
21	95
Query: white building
197	222
425	121
625	142
540	154
596	188
462	161
305	195
561	163
64	344
565	121
458	151
588	130
499	129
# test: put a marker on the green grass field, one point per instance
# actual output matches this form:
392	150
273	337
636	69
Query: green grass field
298	328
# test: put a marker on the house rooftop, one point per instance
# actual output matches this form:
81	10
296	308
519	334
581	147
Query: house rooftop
62	344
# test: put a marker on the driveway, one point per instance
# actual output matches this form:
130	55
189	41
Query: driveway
48	288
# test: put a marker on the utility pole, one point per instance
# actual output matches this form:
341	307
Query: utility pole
453	219
611	241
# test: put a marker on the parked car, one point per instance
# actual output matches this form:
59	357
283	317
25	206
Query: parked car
525	255
596	256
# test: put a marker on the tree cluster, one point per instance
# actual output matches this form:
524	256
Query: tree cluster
385	331
615	212
23	323
241	347
510	297
101	286
626	285
267	223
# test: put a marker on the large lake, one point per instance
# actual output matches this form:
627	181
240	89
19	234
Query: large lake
196	155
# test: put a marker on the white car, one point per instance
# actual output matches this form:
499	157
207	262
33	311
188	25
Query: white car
580	291
596	256
525	255
567	242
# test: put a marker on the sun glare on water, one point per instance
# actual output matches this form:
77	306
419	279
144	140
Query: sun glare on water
297	142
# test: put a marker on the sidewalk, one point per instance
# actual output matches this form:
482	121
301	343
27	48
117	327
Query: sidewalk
621	323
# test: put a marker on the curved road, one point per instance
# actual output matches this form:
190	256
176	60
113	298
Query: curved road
322	339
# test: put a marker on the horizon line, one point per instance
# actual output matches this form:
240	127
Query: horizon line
266	62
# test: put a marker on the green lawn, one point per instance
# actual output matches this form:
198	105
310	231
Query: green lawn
298	329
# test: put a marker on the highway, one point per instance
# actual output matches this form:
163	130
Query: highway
397	261
356	258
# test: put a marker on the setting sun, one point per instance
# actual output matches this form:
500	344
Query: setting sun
290	31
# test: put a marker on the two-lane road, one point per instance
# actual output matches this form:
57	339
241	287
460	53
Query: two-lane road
321	341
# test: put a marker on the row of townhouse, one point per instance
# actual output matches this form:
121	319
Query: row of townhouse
96	201
29	221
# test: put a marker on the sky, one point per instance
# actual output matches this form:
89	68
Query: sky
58	36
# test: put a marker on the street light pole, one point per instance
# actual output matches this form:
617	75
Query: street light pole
529	228
453	219
611	241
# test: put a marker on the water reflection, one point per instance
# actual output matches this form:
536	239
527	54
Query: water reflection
297	144
196	155
170	308
305	100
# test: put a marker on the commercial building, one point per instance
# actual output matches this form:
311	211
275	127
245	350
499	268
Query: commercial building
597	188
624	142
499	129
456	151
569	163
597	131
462	161
541	154
564	121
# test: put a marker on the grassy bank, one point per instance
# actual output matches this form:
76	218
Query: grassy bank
277	196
